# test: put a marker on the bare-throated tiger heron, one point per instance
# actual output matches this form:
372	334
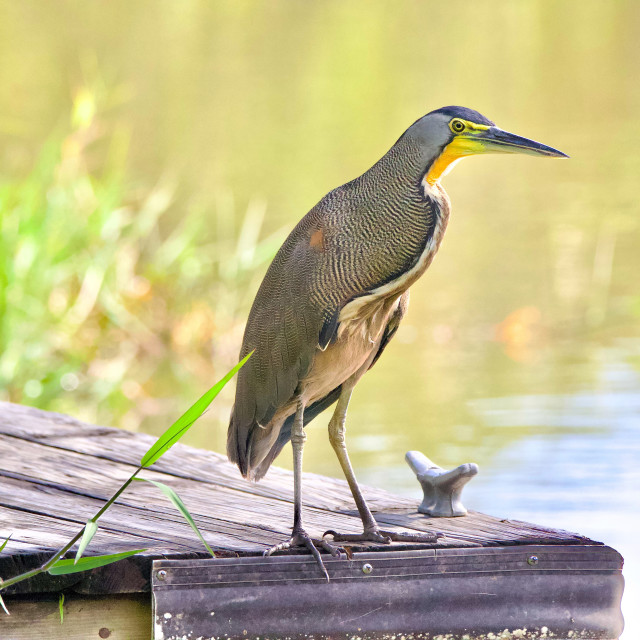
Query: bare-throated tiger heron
336	292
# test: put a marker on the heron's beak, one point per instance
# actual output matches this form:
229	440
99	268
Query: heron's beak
495	140
484	139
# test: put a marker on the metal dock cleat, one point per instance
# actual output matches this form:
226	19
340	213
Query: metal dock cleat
442	489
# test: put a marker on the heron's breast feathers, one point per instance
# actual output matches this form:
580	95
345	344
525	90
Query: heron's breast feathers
361	313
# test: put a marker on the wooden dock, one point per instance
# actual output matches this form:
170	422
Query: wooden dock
56	472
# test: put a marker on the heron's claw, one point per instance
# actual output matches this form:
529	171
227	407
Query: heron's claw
384	537
300	538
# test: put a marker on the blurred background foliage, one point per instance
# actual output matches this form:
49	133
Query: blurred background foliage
144	144
103	284
154	154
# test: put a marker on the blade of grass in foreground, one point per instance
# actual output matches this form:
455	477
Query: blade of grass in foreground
180	506
184	422
63	567
2	604
89	531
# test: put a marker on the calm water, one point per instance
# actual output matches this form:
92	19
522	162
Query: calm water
521	349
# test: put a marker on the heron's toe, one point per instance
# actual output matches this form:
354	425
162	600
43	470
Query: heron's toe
384	537
300	538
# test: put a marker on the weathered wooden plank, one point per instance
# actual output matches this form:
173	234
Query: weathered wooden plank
56	472
79	473
123	617
142	510
309	478
80	476
63	432
156	526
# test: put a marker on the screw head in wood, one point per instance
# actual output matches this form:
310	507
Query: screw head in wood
367	568
161	575
532	560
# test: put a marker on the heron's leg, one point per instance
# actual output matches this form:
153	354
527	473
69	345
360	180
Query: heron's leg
298	438
337	439
299	537
372	531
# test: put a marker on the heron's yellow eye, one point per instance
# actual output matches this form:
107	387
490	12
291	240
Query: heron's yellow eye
457	126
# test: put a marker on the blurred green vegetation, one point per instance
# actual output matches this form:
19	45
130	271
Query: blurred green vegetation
102	283
154	154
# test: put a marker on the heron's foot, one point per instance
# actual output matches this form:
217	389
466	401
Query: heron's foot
384	537
300	538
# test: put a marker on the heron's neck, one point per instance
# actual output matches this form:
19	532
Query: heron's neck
424	199
403	175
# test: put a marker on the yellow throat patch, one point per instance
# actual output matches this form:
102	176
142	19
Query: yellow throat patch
462	145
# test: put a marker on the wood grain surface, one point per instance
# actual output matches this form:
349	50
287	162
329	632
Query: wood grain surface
56	472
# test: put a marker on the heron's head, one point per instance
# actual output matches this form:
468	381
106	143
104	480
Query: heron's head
451	133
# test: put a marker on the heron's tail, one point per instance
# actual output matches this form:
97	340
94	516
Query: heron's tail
247	446
235	452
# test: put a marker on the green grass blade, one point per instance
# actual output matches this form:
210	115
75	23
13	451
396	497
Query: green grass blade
182	424
61	607
180	506
2	604
4	544
89	531
63	567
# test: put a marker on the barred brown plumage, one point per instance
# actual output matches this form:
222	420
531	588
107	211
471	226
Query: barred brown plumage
336	291
370	238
